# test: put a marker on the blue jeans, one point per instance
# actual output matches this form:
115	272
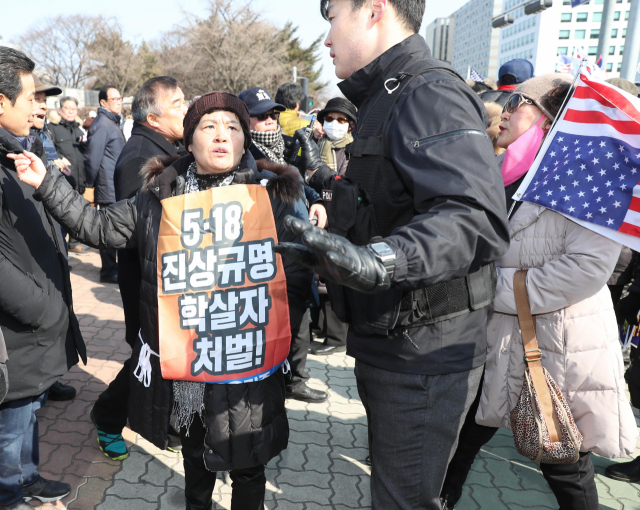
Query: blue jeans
19	453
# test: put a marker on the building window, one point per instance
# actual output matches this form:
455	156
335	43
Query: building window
580	34
562	49
612	50
619	66
564	34
614	33
595	33
609	67
593	50
597	16
616	16
582	16
626	15
621	50
624	33
565	17
566	2
599	2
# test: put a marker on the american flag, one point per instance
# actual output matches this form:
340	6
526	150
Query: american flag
589	165
564	64
475	75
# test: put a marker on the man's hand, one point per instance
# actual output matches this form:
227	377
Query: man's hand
29	167
310	157
334	258
318	211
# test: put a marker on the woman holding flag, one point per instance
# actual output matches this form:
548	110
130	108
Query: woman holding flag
236	333
568	268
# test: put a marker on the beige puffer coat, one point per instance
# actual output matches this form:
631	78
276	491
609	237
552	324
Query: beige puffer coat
576	327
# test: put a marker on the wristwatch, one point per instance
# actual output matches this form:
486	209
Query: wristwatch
385	255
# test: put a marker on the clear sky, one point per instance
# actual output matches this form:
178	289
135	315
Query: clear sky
148	19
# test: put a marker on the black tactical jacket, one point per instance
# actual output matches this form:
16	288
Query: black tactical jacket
437	142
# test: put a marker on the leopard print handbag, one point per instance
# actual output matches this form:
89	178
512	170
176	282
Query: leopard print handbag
543	428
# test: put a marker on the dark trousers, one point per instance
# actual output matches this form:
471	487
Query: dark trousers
573	485
414	421
111	409
248	485
334	330
300	340
19	448
109	267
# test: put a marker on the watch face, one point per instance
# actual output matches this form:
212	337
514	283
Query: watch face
382	249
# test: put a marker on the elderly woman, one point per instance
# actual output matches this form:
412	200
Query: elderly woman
225	427
568	268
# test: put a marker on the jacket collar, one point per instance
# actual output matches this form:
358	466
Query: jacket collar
73	124
148	133
113	117
525	216
8	145
370	79
166	183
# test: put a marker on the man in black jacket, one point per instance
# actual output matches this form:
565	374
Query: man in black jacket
158	112
104	145
37	321
416	224
67	137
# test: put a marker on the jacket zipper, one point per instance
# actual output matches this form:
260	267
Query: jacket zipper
417	143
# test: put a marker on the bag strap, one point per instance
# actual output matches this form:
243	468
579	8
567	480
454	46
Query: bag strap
533	355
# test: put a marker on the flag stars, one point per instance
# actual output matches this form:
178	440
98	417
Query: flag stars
610	193
594	189
556	177
609	155
537	197
566	198
603	210
583	167
572	209
589	178
608	184
553	154
616	204
626	159
577	149
602	172
591	151
561	138
602	144
595	161
621	148
609	221
553	203
589	144
576	142
589	215
623	187
581	194
585	205
621	177
549	193
569	172
562	188
634	170
575	183
545	169
565	148
616	166
598	199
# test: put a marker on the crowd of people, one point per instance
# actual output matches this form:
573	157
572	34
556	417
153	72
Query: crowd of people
400	243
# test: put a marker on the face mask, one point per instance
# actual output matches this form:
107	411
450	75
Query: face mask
521	153
335	130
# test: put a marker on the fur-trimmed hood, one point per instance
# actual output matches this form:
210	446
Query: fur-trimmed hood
161	176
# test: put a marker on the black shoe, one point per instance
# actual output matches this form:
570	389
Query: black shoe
625	471
109	279
306	394
175	445
60	392
46	490
325	350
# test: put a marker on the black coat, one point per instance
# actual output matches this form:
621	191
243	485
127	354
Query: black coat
40	330
496	96
143	145
246	423
105	142
437	143
65	137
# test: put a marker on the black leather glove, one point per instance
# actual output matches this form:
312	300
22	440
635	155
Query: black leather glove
334	257
310	157
289	153
628	308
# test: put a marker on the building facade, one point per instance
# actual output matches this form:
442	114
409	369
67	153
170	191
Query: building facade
541	37
475	42
439	37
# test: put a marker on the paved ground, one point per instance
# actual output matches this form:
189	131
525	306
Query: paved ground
323	467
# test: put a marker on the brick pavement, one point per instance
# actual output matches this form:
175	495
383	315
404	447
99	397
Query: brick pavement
322	468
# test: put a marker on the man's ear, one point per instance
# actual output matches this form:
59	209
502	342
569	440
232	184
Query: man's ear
152	120
101	103
378	9
3	103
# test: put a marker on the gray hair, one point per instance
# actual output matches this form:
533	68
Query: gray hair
146	99
68	98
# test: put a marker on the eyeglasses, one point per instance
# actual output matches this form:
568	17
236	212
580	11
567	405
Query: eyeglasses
115	99
264	116
331	118
514	102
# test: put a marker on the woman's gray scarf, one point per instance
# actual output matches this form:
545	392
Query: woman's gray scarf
271	144
188	396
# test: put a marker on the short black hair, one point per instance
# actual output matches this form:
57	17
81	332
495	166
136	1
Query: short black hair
290	95
553	101
410	12
146	99
13	65
103	92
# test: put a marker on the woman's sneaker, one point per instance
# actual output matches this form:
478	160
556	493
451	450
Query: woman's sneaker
112	445
45	490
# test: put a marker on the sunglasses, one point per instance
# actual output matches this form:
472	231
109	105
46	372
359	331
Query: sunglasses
331	118
514	102
264	116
